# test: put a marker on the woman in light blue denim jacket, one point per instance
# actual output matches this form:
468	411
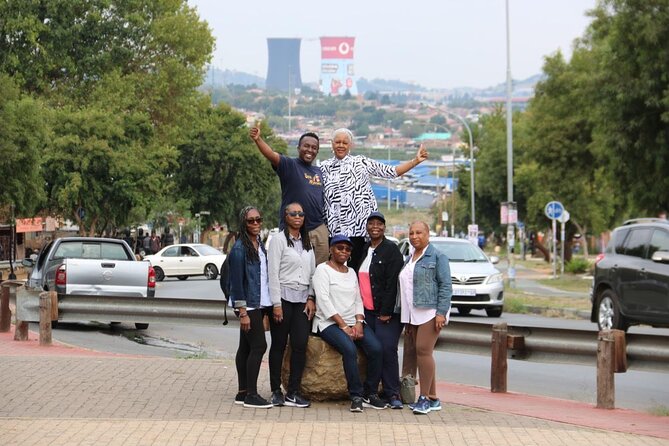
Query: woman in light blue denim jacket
425	296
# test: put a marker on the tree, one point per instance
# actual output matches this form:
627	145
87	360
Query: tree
221	170
24	134
560	162
628	40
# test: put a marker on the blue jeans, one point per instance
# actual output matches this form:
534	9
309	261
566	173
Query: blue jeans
388	335
348	348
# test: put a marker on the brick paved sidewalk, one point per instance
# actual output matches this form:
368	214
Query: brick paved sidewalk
62	395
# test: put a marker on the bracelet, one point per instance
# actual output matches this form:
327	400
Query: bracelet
311	298
243	315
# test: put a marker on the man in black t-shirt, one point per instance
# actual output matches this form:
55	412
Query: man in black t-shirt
301	182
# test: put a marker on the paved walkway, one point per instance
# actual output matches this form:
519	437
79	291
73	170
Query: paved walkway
63	395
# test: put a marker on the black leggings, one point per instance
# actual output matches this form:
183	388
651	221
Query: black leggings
295	324
252	347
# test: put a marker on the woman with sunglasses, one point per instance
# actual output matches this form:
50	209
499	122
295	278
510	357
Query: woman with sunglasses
340	320
291	266
250	296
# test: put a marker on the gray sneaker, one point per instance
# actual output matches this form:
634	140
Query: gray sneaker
277	398
356	404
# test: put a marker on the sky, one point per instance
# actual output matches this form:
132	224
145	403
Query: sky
434	43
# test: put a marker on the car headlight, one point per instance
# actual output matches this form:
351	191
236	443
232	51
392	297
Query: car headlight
495	278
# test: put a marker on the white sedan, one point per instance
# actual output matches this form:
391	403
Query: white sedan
186	260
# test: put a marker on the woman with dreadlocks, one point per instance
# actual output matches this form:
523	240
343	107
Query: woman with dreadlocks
249	294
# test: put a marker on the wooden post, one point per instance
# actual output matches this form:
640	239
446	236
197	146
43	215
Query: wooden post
21	330
620	346
45	318
5	314
498	366
54	305
606	389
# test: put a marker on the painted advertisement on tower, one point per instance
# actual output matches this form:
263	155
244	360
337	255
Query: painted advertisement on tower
337	66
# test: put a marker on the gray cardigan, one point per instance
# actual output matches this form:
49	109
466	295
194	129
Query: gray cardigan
288	268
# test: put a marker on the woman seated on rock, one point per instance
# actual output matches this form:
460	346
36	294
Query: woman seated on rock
340	321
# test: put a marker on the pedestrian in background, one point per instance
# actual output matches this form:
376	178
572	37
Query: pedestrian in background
425	291
291	265
250	297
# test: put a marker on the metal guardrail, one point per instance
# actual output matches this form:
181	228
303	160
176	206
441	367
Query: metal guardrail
644	352
650	352
75	308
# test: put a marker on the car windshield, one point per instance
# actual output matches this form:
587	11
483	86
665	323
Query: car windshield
206	250
461	252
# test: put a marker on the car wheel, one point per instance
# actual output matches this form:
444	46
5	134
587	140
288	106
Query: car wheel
141	326
494	312
160	274
608	312
182	277
210	271
464	310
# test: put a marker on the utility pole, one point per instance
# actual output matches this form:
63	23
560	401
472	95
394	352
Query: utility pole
510	231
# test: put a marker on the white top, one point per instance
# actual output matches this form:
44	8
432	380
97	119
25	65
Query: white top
265	300
290	270
336	293
411	314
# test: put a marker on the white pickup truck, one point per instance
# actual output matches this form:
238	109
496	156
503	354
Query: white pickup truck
92	266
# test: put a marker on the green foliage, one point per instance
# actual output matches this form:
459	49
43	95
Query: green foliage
23	137
221	169
577	265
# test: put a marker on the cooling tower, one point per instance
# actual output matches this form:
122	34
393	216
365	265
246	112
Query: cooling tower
283	69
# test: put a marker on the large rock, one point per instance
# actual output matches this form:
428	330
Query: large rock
323	377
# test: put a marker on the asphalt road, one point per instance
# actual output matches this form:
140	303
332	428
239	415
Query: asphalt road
637	390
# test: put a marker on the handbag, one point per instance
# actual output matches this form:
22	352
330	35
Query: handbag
408	389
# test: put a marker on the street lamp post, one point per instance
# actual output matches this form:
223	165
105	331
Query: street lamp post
471	160
509	152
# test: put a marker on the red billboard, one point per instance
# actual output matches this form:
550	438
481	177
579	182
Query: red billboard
337	47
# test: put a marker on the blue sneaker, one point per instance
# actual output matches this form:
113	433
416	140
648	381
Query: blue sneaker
422	406
435	405
395	403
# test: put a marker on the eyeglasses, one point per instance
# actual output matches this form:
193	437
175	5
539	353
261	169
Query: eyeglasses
295	213
346	248
257	220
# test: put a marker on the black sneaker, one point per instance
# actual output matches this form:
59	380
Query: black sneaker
295	400
374	402
356	404
239	398
256	402
277	398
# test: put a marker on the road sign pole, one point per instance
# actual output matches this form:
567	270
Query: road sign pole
562	246
554	248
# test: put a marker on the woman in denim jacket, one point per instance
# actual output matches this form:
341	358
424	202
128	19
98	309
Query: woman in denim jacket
250	296
425	295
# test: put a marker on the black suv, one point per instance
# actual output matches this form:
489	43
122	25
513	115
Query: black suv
631	283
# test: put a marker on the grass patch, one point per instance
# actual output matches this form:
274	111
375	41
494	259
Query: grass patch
520	302
199	355
659	410
568	283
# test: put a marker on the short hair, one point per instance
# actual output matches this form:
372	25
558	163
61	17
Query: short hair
345	131
307	135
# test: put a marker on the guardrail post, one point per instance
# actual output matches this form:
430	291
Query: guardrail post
45	318
498	365
606	389
5	314
620	346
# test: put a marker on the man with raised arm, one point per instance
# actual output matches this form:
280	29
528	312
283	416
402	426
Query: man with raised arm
301	182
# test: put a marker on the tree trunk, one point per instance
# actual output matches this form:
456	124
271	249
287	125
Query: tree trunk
540	246
584	240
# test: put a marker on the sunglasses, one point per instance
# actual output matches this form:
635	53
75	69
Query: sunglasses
295	213
346	248
257	220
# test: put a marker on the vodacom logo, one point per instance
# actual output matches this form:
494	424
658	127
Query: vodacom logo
344	48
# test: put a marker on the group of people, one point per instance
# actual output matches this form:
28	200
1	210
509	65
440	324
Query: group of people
331	272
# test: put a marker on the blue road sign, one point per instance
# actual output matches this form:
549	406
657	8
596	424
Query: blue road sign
554	210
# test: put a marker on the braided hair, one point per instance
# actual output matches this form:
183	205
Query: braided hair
247	243
304	234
